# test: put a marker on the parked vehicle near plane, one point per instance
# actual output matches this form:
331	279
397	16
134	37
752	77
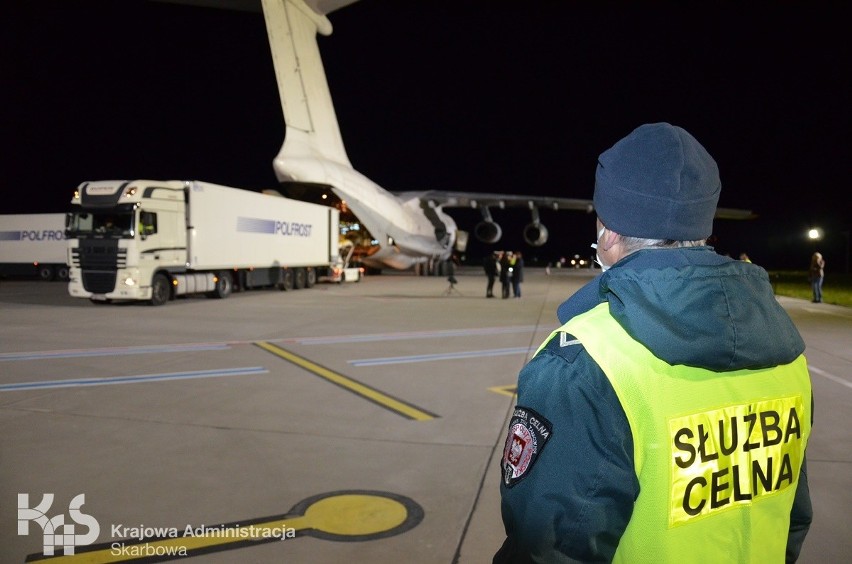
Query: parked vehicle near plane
33	245
156	240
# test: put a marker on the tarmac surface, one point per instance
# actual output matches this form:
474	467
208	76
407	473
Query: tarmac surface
345	423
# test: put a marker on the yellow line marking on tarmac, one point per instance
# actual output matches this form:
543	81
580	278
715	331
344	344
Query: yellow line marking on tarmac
505	390
388	402
338	516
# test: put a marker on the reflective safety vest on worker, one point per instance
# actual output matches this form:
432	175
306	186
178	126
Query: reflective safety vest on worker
717	454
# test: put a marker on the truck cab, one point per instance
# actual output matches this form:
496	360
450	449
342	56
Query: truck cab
121	235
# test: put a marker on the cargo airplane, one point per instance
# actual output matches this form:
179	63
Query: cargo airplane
407	229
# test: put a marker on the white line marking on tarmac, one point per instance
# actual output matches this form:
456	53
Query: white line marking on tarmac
440	356
830	376
404	335
78	382
114	351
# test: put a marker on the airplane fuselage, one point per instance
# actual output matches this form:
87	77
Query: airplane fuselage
406	229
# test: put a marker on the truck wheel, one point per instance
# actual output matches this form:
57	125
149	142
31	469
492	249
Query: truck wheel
45	272
62	272
300	278
311	279
160	290
286	283
224	286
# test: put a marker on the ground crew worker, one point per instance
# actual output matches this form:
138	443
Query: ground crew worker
667	419
517	274
492	269
505	273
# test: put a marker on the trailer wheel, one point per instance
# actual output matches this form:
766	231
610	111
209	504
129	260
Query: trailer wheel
62	272
286	282
45	272
160	290
311	278
300	278
224	285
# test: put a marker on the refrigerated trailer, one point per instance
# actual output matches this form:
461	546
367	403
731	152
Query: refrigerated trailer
156	240
33	245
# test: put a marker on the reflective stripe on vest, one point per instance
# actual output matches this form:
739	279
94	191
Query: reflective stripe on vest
717	455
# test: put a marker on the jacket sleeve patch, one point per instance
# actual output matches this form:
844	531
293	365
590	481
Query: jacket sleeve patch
528	433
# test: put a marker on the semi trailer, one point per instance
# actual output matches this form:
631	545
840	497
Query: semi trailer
33	246
156	240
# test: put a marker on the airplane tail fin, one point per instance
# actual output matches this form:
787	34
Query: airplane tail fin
311	123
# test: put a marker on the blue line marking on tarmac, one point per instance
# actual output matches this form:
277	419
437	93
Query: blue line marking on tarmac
47	384
116	351
440	356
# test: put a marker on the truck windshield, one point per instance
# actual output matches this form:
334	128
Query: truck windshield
106	224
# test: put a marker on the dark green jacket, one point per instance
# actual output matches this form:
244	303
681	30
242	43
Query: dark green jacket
688	306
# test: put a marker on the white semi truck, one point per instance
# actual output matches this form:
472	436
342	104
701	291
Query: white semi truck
155	240
33	245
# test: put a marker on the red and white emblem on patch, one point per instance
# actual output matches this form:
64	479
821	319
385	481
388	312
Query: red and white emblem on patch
519	449
528	432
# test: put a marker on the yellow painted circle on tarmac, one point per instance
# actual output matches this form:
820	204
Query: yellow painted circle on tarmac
356	514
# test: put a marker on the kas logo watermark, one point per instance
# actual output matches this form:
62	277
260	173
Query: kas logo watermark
56	531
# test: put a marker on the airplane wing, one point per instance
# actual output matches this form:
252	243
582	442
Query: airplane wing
478	200
319	7
535	233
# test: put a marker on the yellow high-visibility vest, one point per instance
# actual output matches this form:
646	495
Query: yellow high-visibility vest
717	454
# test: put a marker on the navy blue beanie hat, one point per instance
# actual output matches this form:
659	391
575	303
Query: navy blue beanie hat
657	183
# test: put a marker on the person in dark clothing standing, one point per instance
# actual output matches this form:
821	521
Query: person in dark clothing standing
816	274
492	268
667	419
517	274
505	273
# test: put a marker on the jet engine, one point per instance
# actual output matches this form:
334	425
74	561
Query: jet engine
535	234
487	231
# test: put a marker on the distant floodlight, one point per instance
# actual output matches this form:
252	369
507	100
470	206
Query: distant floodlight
814	233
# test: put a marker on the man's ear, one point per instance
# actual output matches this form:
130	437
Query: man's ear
610	238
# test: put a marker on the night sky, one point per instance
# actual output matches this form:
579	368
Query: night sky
491	96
